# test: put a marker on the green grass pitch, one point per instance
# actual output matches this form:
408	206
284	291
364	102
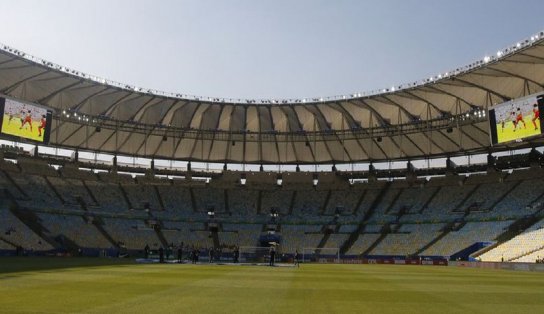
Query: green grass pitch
64	285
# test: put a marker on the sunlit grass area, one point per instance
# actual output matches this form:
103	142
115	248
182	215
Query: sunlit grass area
66	285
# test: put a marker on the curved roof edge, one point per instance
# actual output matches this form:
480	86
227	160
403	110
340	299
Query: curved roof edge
501	54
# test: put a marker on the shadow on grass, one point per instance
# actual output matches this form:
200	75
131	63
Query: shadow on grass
26	264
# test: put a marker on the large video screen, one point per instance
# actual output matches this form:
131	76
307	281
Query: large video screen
23	120
516	120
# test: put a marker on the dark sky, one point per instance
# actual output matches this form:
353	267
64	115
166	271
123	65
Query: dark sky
266	49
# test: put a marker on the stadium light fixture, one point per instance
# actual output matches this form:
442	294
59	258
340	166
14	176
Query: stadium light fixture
315	180
274	212
487	59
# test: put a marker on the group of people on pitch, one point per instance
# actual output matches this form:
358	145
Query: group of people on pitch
272	257
191	253
213	254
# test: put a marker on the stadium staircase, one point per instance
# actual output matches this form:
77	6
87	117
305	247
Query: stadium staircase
359	202
466	198
429	200
52	187
292	203
161	236
193	200
81	203
259	202
325	204
526	253
99	224
32	221
125	196
226	198
391	206
386	229
215	238
8	241
447	229
67	244
161	203
355	234
458	226
500	199
324	240
12	182
402	211
90	193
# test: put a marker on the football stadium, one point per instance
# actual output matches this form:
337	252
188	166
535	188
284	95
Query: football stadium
422	197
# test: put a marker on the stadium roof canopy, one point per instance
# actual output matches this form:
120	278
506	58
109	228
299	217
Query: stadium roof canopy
440	116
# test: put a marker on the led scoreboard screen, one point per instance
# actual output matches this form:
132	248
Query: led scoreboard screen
23	120
516	120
